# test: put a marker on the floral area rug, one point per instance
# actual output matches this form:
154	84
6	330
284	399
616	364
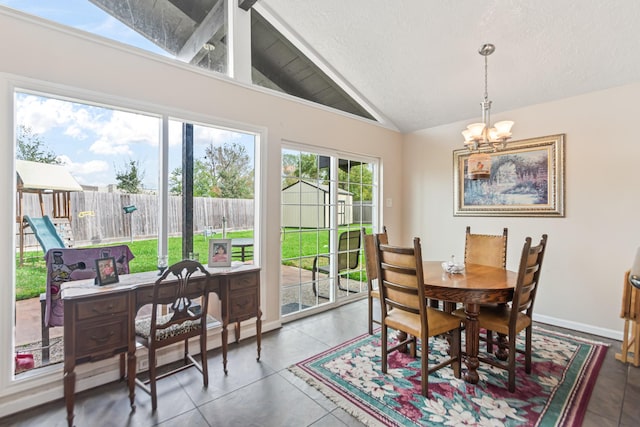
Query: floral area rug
556	393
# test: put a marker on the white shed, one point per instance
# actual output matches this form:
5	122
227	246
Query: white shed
305	204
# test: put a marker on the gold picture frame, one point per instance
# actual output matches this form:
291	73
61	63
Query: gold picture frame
527	179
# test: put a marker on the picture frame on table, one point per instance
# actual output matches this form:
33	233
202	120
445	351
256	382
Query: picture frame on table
106	271
526	179
219	253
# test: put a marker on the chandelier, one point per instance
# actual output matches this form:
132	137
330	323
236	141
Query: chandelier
481	136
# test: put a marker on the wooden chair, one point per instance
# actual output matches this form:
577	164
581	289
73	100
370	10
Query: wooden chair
486	249
404	308
348	257
630	312
369	244
175	293
509	321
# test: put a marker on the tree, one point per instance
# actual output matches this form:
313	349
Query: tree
360	181
223	172
302	166
130	177
32	148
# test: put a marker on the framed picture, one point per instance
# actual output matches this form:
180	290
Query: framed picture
526	179
106	271
219	252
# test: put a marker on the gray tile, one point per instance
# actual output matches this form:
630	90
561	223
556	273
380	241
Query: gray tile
192	419
266	394
272	401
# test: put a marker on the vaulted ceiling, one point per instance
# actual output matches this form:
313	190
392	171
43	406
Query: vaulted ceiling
413	64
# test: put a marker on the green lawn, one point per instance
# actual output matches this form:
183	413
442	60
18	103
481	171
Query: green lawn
31	277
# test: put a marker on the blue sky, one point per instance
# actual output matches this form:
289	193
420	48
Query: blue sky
94	142
83	15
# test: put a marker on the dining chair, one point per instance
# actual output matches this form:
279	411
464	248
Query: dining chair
373	291
404	309
509	320
348	257
484	249
178	292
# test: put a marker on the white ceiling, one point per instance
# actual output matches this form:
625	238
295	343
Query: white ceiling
416	62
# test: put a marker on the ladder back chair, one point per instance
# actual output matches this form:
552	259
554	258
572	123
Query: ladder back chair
373	290
484	249
178	293
404	308
509	320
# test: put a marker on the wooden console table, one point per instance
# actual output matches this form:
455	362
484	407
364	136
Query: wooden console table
99	321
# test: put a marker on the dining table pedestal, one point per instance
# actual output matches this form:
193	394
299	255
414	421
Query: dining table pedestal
476	285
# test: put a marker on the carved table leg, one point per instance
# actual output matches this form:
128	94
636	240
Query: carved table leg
131	378
502	353
69	393
225	336
472	340
237	332
259	332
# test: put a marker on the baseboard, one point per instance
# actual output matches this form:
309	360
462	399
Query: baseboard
581	327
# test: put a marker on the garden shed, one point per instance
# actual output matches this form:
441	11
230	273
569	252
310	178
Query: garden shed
305	204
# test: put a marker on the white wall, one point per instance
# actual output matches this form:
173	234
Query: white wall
51	58
589	249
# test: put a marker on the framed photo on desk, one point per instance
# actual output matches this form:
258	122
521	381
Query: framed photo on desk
219	253
106	271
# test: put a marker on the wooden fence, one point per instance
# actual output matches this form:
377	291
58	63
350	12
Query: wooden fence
98	217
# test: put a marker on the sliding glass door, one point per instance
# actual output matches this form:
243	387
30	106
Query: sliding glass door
327	198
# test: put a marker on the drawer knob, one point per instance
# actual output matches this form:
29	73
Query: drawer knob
108	308
103	339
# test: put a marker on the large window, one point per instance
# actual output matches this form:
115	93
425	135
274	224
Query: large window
326	201
91	176
199	33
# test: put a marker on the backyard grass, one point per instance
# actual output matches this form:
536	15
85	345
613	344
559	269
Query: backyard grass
31	277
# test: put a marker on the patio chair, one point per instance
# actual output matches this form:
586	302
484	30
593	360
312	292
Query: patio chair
348	258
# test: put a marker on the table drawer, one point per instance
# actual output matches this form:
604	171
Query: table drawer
101	307
243	304
104	336
244	281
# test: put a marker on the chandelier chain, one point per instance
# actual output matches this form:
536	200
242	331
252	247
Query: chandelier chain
486	72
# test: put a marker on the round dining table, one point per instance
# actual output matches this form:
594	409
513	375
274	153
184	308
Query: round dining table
475	285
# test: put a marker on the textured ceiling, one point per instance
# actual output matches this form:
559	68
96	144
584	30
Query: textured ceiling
416	61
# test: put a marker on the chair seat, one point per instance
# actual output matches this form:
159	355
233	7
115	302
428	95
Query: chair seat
496	318
143	327
323	269
439	321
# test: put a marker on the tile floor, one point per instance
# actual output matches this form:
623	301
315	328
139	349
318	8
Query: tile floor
265	394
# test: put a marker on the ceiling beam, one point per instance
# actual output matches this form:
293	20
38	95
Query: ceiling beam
246	4
203	33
